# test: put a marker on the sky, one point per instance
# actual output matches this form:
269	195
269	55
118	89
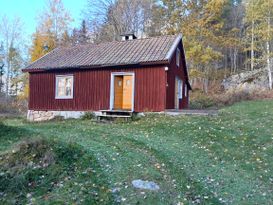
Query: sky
28	11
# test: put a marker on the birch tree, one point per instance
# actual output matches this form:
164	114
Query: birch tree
10	35
1	67
259	15
250	21
267	6
53	23
55	19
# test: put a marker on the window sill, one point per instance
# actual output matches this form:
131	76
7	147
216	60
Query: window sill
63	98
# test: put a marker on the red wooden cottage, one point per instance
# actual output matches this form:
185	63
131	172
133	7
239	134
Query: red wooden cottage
138	75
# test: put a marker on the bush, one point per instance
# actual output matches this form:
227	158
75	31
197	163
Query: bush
200	100
88	116
12	105
231	97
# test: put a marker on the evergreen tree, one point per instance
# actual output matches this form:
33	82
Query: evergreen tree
82	34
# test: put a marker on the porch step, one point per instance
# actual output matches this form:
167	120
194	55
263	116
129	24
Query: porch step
117	112
114	114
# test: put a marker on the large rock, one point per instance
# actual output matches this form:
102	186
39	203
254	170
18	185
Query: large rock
248	81
149	185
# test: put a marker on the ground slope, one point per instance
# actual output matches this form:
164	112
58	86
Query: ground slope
209	160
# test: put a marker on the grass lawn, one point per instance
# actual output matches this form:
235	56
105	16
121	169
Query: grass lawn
195	160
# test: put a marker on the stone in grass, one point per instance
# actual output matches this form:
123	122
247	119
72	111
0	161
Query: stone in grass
149	185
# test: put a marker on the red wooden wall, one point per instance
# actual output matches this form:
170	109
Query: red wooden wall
92	90
171	74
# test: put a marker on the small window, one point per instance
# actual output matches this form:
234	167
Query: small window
64	87
180	89
178	57
186	90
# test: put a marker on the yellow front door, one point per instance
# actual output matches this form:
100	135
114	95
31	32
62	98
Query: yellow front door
118	97
127	92
123	88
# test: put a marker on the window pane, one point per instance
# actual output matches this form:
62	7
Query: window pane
180	89
68	86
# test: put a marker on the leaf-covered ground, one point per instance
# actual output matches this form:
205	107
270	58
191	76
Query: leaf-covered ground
195	160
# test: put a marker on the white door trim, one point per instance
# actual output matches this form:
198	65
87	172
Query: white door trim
112	87
179	86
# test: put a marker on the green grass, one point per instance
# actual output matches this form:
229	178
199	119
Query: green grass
208	160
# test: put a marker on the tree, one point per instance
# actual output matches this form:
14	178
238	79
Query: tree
17	62
1	67
108	19
42	43
259	26
10	35
79	36
83	34
55	19
201	23
250	21
234	30
52	27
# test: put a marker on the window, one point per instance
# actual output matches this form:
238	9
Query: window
180	89
64	87
178	57
186	90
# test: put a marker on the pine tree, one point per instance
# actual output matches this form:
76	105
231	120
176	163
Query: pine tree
82	34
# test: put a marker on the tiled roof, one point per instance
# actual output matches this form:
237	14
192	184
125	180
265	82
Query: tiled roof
131	52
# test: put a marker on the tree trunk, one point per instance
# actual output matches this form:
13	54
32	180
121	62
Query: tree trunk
268	55
235	53
252	46
7	79
205	85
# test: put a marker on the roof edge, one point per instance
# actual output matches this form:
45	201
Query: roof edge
174	46
151	63
27	67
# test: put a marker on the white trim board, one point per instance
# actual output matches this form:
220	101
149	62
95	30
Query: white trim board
112	88
174	46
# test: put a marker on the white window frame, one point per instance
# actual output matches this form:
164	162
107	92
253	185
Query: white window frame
178	57
58	77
